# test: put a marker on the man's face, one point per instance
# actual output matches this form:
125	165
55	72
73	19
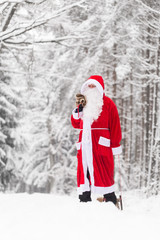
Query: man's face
91	86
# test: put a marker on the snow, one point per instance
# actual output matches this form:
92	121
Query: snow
44	216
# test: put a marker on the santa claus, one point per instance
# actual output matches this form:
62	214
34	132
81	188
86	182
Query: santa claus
99	140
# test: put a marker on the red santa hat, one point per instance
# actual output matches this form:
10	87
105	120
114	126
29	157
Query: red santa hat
97	81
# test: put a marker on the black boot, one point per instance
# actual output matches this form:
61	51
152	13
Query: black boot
110	197
85	197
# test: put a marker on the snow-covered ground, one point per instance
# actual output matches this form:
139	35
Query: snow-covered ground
46	217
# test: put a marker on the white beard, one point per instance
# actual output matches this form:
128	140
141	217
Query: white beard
93	108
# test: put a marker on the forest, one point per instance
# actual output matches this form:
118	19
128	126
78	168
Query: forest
48	48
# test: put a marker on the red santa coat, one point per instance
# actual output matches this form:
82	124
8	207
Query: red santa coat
97	144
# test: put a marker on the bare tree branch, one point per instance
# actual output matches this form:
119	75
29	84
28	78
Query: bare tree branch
148	7
45	40
9	16
20	30
22	1
20	72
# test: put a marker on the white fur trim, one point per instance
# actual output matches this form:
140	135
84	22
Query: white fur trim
103	190
92	81
96	190
75	115
83	188
117	150
78	145
87	153
86	186
104	141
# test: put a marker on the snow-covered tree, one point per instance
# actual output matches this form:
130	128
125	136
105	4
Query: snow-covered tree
9	102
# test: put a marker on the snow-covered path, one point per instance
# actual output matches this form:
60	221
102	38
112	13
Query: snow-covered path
46	217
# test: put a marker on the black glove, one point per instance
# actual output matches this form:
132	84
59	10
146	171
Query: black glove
80	108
